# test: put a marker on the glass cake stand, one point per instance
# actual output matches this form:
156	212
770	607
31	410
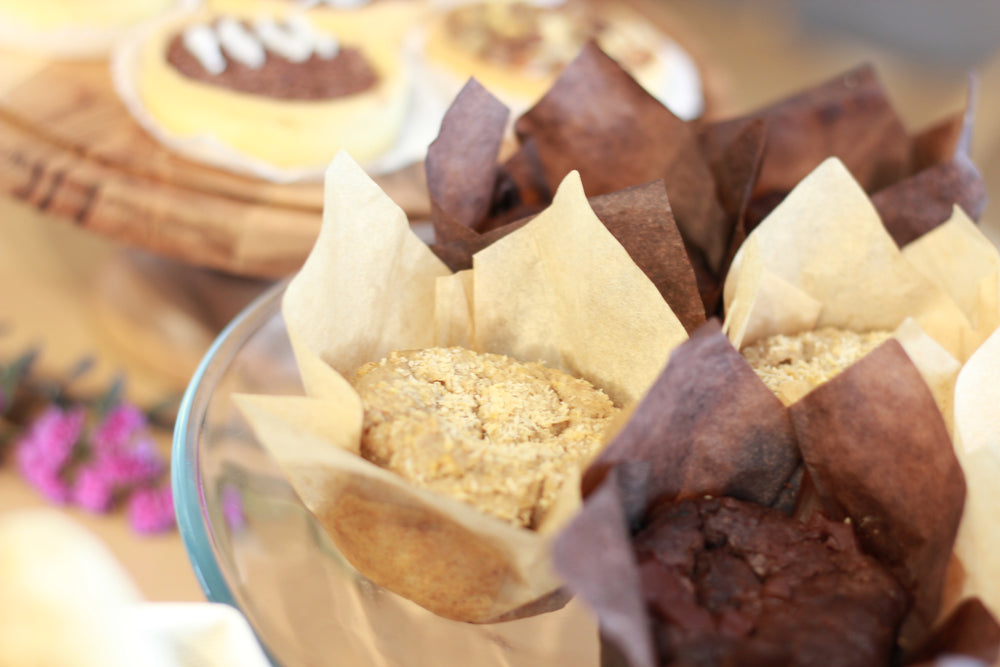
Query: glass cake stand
253	544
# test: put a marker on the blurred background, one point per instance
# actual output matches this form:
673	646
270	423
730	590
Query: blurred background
923	53
71	293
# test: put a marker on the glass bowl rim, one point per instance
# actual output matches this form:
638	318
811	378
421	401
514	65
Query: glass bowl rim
185	472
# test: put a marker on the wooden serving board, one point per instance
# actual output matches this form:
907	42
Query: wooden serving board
69	147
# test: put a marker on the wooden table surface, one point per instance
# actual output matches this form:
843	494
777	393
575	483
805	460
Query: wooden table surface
49	276
76	293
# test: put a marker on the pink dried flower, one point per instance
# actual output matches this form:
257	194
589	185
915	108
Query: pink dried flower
46	448
118	428
98	453
53	487
138	466
92	490
30	457
151	510
49	483
54	434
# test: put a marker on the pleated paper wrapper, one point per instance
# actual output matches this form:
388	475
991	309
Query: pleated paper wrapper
560	290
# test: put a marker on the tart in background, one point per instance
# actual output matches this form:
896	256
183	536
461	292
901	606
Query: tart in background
516	48
274	95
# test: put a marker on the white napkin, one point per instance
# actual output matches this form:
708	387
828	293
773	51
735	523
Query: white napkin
66	602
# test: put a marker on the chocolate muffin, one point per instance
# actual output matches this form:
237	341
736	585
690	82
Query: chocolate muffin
733	583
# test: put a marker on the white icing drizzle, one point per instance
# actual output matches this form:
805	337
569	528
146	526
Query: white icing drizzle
327	47
287	42
323	45
240	44
201	42
296	40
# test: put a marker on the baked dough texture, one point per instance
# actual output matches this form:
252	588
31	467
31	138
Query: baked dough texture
483	428
793	365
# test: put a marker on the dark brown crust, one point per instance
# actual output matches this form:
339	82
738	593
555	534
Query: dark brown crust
732	583
349	73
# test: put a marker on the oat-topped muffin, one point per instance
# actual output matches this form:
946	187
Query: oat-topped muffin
483	428
794	365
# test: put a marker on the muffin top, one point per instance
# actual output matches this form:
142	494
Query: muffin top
794	365
483	428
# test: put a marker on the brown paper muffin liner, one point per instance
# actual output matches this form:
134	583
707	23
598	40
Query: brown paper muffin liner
722	176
